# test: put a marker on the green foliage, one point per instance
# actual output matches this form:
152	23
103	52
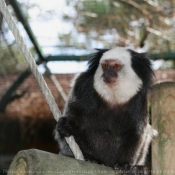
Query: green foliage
146	23
11	60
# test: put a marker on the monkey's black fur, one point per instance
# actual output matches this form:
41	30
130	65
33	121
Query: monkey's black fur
94	61
106	134
142	66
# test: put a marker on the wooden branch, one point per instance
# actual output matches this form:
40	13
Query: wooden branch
158	33
40	162
146	15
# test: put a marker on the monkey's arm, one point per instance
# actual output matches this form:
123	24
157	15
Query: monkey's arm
64	129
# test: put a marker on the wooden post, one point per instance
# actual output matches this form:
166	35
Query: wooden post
163	120
40	162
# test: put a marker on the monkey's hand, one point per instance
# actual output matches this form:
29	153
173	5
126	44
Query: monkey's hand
131	170
64	127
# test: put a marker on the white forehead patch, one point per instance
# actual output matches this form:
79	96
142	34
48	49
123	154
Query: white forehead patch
127	84
120	54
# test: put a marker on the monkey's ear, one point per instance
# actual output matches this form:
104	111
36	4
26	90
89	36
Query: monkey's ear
95	59
142	66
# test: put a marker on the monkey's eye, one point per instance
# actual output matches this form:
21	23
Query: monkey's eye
104	66
117	66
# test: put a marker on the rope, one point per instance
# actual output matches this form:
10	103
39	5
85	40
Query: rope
31	63
59	88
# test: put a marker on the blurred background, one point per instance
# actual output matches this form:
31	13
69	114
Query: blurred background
61	35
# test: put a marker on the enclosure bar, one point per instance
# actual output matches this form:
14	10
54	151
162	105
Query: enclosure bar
165	56
68	58
23	19
154	56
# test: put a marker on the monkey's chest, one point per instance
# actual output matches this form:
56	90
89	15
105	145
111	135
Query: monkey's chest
105	127
101	142
102	135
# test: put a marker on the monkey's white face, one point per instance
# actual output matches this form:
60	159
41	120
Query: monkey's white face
122	83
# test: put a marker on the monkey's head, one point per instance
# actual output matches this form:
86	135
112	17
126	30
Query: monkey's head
120	73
